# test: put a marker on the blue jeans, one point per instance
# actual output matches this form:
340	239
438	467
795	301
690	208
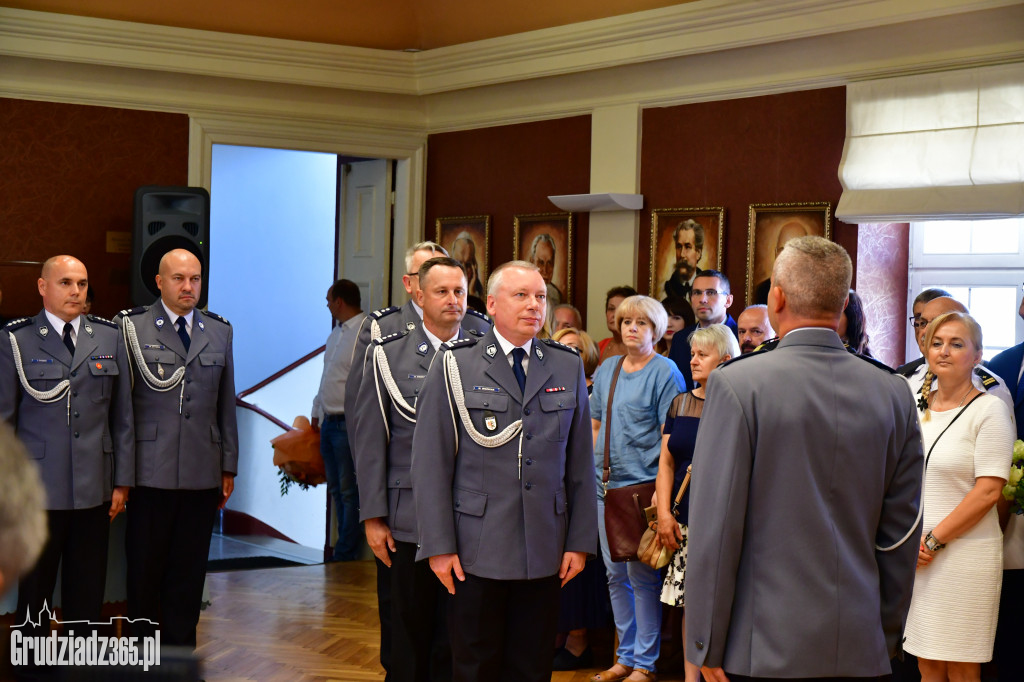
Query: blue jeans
341	482
635	591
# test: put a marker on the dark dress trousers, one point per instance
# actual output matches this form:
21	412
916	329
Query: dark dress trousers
186	438
83	444
509	511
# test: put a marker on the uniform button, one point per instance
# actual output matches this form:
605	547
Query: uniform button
700	644
76	413
76	434
457	504
529	462
398	481
529	436
74	394
528	485
560	404
417	390
40	372
526	411
188	398
187	415
75	373
486	404
188	380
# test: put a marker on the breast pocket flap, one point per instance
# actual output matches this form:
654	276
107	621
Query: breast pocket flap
49	371
469	502
561	400
159	357
496	402
211	359
102	368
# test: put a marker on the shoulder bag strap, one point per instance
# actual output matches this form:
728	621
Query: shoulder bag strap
682	489
608	425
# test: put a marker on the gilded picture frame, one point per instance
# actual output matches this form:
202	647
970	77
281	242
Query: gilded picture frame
770	226
701	236
545	239
467	239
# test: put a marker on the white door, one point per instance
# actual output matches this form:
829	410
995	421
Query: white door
364	193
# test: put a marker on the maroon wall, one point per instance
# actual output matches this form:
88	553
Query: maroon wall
733	153
68	174
508	170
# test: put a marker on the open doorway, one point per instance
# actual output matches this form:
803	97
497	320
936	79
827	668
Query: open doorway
279	237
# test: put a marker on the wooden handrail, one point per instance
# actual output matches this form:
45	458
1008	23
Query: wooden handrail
249	406
279	374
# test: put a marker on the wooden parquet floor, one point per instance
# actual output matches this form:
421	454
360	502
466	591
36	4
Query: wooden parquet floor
302	624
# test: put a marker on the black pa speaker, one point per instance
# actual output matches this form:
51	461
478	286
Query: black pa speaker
168	218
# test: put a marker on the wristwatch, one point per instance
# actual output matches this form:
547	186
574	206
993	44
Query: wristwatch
932	543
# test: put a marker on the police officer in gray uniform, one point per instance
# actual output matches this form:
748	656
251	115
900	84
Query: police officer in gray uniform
376	325
186	447
392	381
64	386
502	469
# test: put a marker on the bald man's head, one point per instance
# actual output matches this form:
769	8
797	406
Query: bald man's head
180	280
934	308
63	284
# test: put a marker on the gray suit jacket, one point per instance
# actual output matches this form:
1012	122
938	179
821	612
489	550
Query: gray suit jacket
392	320
384	463
470	499
807	456
81	460
187	448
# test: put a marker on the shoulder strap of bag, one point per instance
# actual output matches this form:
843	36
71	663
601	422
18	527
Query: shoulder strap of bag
682	489
920	506
606	475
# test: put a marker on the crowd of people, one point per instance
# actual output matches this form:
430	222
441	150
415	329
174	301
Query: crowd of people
840	514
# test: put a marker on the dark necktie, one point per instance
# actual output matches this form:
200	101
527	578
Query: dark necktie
68	329
183	333
517	367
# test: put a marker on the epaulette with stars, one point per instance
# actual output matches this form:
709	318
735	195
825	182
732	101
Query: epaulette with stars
389	338
474	332
987	379
769	345
17	324
477	313
215	316
557	344
100	320
134	311
458	343
384	312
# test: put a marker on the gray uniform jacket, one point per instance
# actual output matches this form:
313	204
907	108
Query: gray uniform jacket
470	499
85	448
185	438
383	449
807	456
390	321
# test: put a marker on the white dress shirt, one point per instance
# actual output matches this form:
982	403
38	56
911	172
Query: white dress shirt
58	325
330	399
507	346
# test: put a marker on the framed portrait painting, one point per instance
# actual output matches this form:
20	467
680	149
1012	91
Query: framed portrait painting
770	227
683	241
468	240
545	239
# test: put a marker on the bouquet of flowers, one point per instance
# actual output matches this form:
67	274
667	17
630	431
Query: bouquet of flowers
1013	490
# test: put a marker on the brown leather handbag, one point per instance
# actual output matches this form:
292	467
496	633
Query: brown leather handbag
651	551
624	521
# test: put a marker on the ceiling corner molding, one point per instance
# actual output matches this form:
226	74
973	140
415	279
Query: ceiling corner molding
680	30
676	31
64	37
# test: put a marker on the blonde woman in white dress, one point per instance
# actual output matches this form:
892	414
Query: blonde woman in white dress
968	440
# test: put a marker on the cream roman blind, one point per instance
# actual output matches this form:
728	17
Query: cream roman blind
942	145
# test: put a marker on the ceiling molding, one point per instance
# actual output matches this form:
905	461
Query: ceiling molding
680	30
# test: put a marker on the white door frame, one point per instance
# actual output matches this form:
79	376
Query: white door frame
409	149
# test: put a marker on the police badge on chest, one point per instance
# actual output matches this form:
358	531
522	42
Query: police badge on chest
490	421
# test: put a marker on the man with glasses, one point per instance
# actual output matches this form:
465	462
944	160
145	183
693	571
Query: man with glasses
710	297
919	325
